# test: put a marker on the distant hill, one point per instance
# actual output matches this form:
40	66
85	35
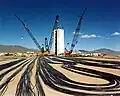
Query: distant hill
107	51
15	48
104	51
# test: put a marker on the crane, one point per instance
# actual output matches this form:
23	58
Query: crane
56	25
46	44
66	47
76	34
30	34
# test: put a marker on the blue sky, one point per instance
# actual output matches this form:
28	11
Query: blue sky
100	26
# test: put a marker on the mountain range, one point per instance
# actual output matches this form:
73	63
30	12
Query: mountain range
15	48
104	51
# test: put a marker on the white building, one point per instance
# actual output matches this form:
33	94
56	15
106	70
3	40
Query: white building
19	54
97	54
59	40
2	54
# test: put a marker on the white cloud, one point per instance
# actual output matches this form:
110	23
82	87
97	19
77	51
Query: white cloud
99	36
116	34
76	33
88	36
73	33
107	38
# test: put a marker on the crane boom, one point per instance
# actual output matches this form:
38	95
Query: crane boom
29	32
46	44
52	34
77	32
66	47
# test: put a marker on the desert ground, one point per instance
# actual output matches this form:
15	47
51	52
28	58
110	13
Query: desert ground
59	76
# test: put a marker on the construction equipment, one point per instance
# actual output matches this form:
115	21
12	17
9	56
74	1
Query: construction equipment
32	37
56	25
76	35
66	47
46	44
46	47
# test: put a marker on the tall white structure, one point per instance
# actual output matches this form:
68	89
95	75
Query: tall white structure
58	42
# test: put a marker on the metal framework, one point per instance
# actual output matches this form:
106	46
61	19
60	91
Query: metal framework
66	47
56	26
77	32
46	44
30	34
